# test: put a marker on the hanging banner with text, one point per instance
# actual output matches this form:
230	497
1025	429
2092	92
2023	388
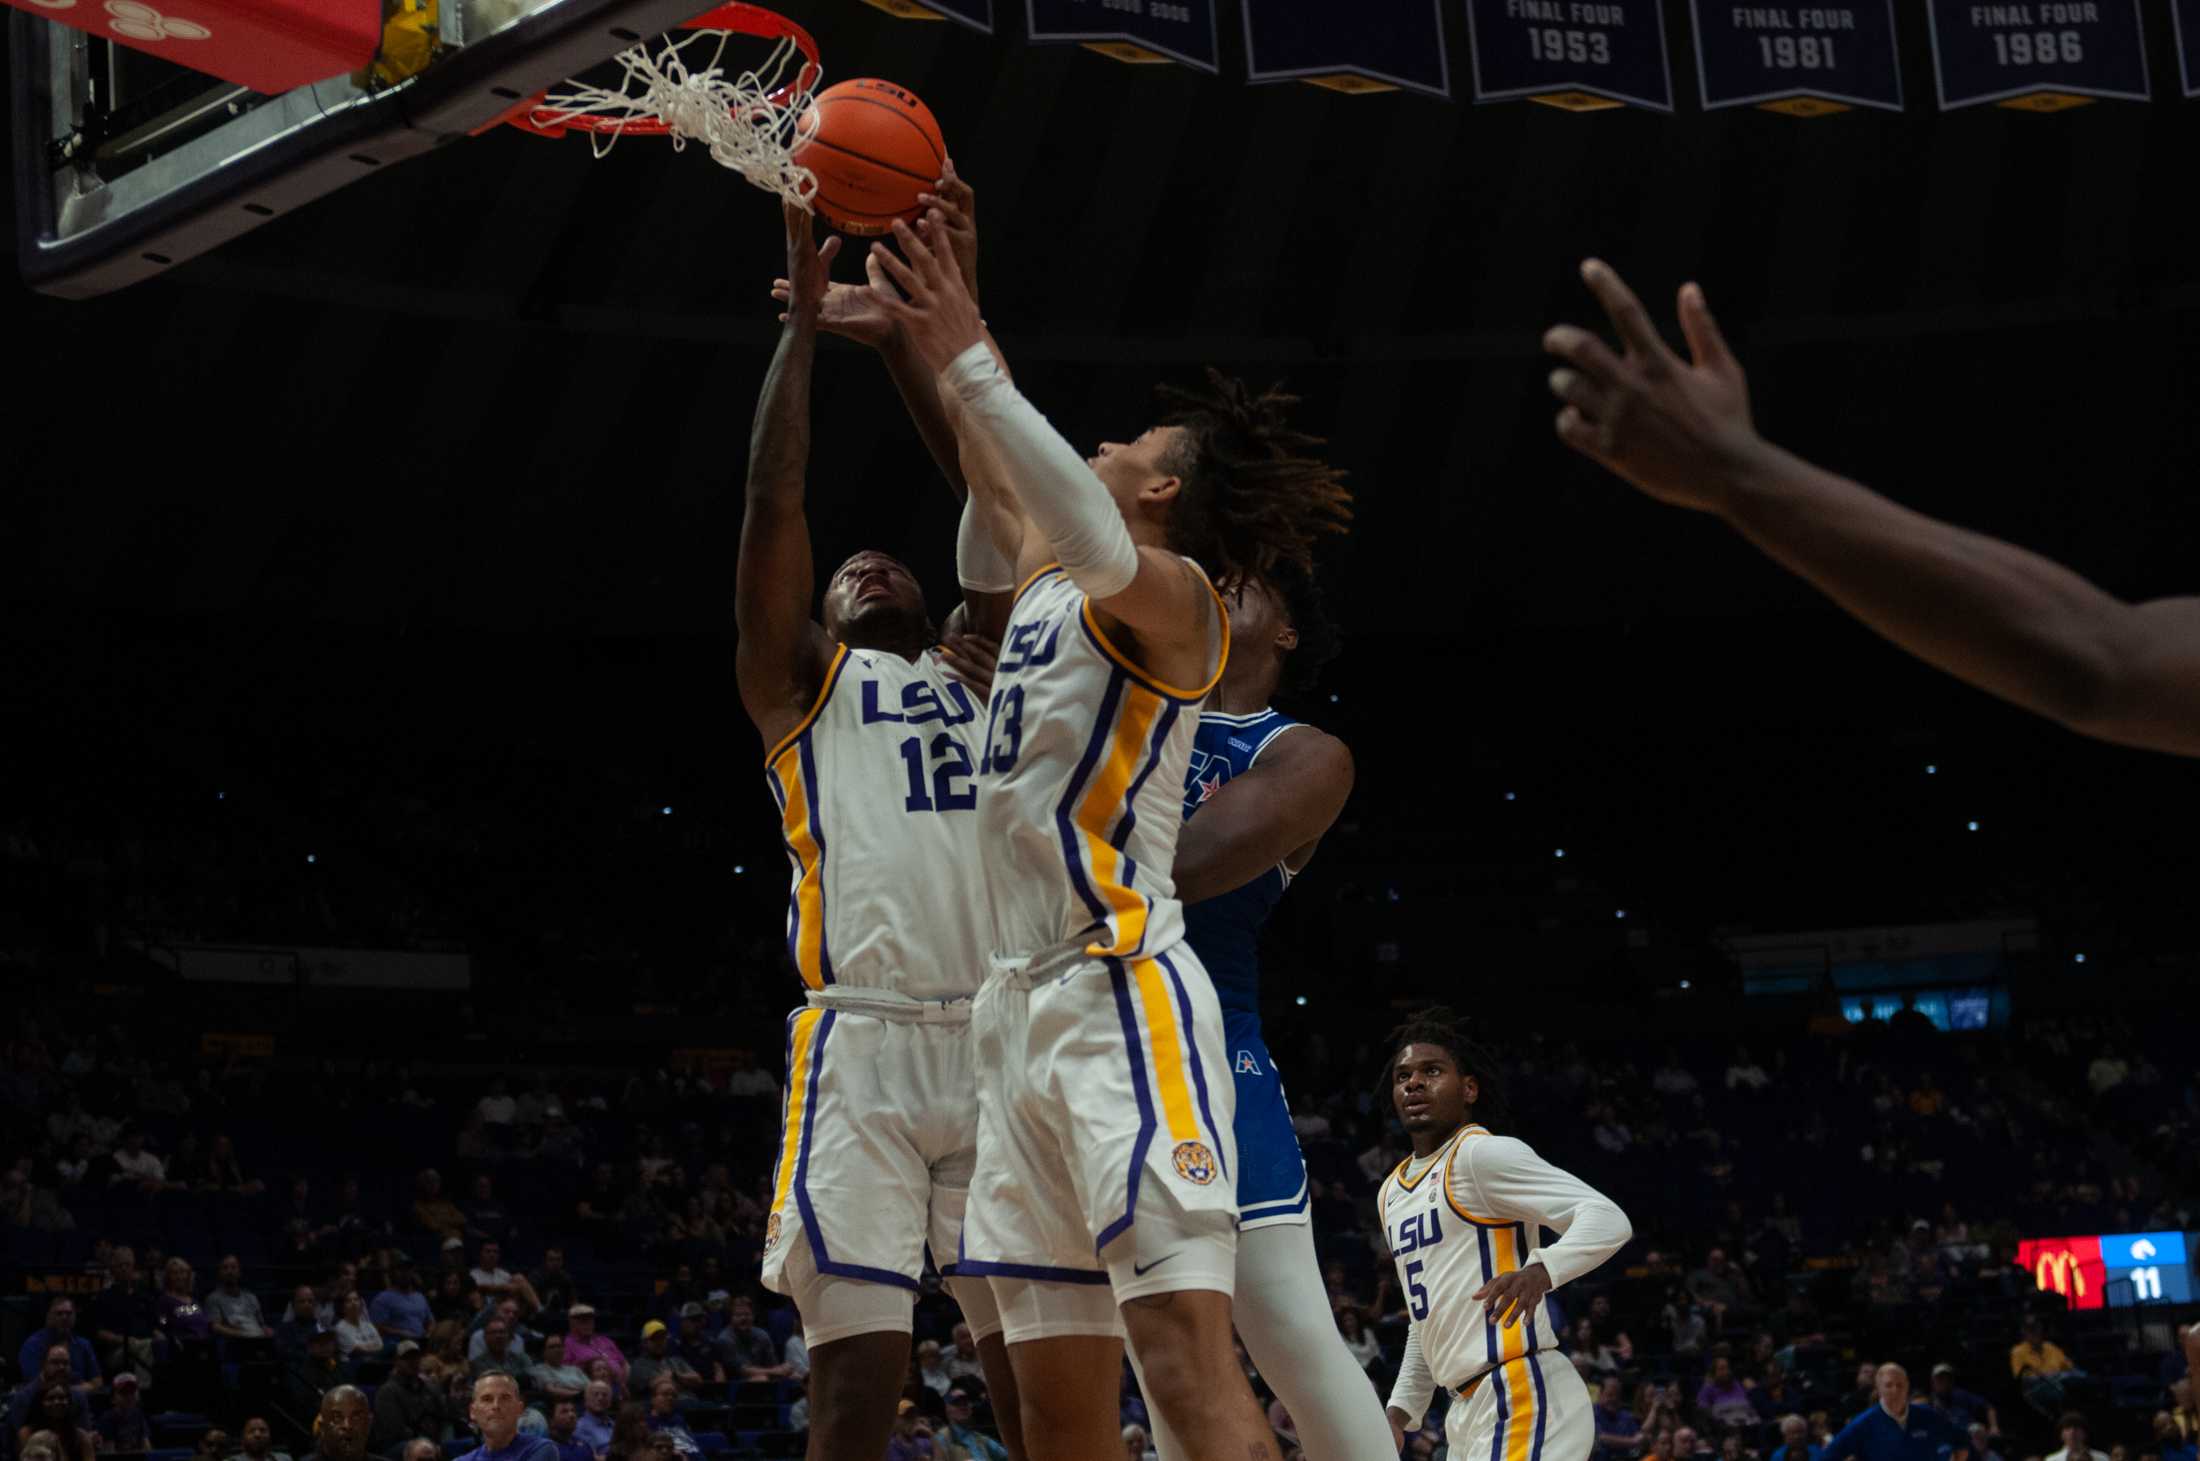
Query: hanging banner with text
2185	16
1579	54
2037	55
977	14
1807	60
1138	31
1378	45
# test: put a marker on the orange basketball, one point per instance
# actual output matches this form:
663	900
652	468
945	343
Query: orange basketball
876	147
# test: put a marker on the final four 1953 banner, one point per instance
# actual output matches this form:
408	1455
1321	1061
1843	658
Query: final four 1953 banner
1132	30
2037	55
1803	57
1577	54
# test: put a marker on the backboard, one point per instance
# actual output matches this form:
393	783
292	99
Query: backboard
128	163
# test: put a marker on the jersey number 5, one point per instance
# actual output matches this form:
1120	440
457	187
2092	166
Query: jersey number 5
953	761
1416	1292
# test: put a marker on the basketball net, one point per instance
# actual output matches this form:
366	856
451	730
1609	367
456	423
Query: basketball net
677	87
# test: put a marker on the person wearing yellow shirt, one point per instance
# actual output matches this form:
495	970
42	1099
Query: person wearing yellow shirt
2040	1366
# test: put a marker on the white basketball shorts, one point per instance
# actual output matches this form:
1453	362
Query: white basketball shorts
1530	1409
877	1146
1105	1151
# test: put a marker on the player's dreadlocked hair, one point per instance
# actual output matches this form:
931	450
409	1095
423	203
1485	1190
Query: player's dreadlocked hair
1438	1026
1319	637
1252	497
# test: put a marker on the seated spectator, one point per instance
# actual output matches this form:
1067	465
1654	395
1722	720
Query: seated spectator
505	1312
41	1446
1686	1325
694	1346
300	1324
583	1344
25	1402
1743	1073
356	1337
224	1173
1688	1444
553	1288
1982	1446
1775	1395
188	1328
1795	1443
1721	1288
600	1372
1732	1448
60	1329
2040	1367
486	1220
657	1360
401	1310
2170	1441
498	1108
564	1433
455	1298
748	1351
798	1413
911	1438
931	1372
345	1419
258	1442
1866	1393
499	1355
1364	1348
498	1282
213	1446
2074	1447
664	1416
746	1078
1724	1397
1672	1079
1959	1405
960	1440
122	1427
432	1211
233	1308
407	1405
132	1166
308	1378
553	1378
1618	1432
62	1413
122	1315
593	1429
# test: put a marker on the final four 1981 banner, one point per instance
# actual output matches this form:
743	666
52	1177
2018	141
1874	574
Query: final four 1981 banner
1803	57
1578	54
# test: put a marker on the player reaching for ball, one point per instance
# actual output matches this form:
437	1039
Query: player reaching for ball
1464	1218
2008	621
873	756
1104	1203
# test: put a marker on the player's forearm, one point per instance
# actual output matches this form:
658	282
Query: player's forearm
779	442
1209	864
1596	1231
2003	619
920	393
1415	1385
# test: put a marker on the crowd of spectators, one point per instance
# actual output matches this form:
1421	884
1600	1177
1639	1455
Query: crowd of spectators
238	1254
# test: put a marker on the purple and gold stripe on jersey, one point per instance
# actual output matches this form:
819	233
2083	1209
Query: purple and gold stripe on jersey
791	770
1167	1076
1099	809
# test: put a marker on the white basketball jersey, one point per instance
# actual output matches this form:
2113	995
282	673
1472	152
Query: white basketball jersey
878	799
1446	1250
1081	789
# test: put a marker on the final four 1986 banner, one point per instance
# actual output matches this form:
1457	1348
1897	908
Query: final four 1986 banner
2038	55
1131	30
1579	54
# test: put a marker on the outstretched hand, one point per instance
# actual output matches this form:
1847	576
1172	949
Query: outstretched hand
807	266
954	211
923	293
1678	429
848	310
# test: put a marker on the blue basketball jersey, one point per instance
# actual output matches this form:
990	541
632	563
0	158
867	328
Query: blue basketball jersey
1225	932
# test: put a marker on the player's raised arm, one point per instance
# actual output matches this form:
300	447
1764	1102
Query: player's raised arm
1265	816
2008	621
780	660
1163	599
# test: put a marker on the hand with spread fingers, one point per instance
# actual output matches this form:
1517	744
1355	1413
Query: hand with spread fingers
954	210
968	658
1511	1297
923	292
808	263
1678	429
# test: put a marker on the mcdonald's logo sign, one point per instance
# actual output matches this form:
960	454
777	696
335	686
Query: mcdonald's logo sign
2069	1267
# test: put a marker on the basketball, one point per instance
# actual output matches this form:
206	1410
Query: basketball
876	147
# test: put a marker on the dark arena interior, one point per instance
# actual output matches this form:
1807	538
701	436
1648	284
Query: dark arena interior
385	868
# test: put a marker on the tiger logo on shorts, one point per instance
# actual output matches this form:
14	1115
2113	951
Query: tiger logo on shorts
771	1230
1194	1163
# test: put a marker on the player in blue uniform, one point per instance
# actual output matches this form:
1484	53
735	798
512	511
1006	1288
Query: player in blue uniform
1261	791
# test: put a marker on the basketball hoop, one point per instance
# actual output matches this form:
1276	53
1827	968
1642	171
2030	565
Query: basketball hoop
676	87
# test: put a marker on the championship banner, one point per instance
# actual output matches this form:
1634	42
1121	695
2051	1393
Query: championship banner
1583	55
1807	60
977	14
2037	55
1381	46
2185	16
1142	32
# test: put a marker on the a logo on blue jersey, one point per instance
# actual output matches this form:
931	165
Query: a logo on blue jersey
1207	775
1246	1064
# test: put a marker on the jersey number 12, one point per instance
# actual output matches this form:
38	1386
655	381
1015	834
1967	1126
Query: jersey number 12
953	761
